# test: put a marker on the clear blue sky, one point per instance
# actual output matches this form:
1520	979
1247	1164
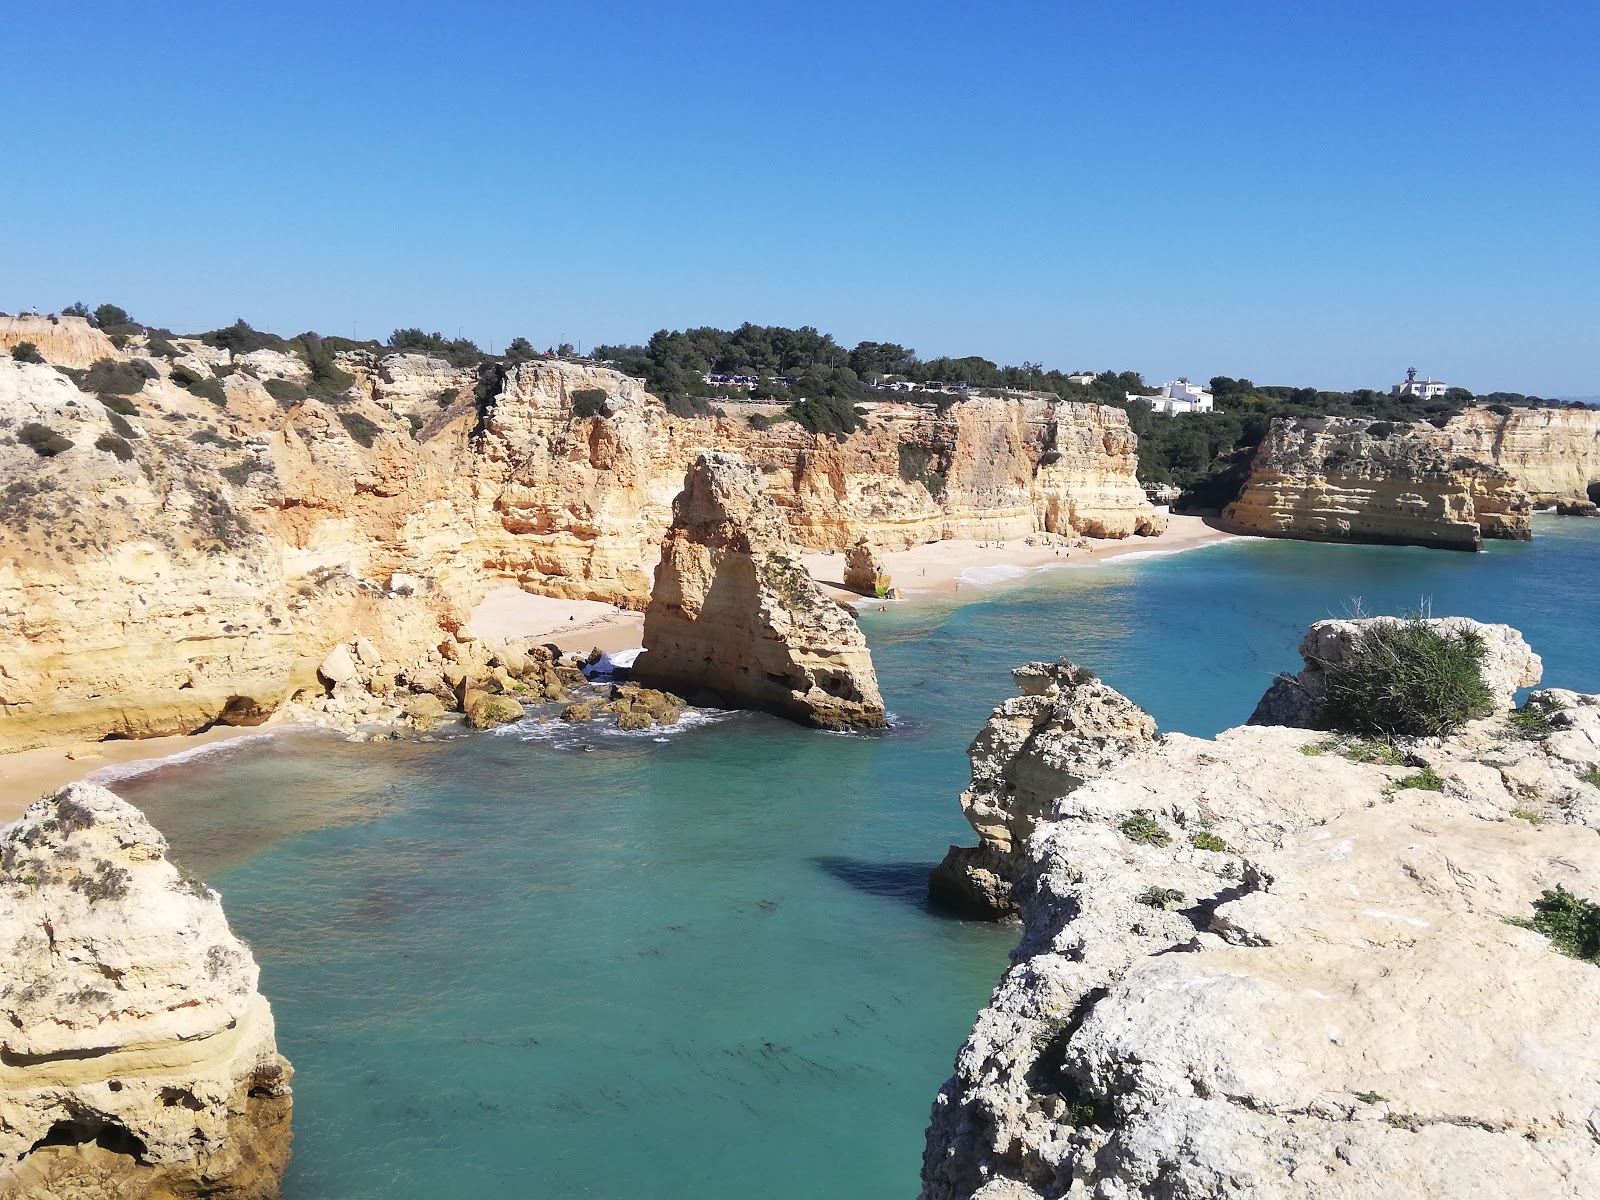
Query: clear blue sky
1310	192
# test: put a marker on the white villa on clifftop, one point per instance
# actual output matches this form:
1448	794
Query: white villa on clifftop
1179	396
1422	389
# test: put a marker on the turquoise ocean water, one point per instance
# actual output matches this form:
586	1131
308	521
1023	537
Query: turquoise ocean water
701	965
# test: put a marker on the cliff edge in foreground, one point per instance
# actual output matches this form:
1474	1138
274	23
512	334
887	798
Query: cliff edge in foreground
136	1056
734	612
1280	963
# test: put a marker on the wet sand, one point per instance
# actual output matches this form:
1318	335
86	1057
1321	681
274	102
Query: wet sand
29	774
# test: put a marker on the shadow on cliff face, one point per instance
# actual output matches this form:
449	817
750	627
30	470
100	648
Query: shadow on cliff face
906	882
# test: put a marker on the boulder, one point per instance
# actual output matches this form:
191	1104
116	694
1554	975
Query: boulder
485	711
575	713
734	611
338	666
425	710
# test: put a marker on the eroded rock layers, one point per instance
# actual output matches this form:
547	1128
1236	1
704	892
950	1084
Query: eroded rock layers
1261	966
734	613
184	539
137	1058
1340	479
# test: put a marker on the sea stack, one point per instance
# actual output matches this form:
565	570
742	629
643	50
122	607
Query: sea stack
734	613
1065	729
137	1057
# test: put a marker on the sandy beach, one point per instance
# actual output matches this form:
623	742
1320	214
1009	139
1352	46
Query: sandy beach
971	568
29	774
965	568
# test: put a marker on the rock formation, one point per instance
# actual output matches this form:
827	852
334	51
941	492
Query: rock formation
213	530
864	572
137	1057
1341	479
1296	700
734	613
1066	728
1262	966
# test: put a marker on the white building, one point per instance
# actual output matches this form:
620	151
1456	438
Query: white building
1179	396
1422	389
1085	378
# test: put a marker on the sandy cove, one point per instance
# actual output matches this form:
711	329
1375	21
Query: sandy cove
968	569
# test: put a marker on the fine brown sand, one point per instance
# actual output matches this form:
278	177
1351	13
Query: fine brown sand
971	569
961	568
29	774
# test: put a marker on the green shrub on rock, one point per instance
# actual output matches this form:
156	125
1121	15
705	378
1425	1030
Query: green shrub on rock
108	377
1407	678
42	440
1144	829
112	444
589	402
285	391
26	352
1571	922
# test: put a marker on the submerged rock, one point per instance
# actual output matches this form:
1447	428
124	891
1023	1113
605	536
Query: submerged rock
137	1057
1066	728
1251	966
735	613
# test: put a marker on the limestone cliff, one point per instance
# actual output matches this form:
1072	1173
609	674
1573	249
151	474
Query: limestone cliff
187	546
1552	453
734	613
136	1056
1263	965
1350	480
1066	728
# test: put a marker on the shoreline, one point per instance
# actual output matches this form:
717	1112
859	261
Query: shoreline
972	569
26	775
964	569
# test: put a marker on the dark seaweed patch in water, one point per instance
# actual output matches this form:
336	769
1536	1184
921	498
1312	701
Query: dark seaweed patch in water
903	881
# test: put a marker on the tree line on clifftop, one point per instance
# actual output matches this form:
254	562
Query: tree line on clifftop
820	384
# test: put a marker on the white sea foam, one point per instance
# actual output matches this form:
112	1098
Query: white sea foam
998	573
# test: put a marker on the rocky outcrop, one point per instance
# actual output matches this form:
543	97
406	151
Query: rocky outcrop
67	341
1508	664
1338	479
1065	729
136	1056
1260	965
734	614
864	572
206	539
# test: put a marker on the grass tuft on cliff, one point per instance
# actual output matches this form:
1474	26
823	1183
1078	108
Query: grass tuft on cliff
1407	678
1571	922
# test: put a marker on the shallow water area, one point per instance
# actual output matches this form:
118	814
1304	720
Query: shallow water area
566	960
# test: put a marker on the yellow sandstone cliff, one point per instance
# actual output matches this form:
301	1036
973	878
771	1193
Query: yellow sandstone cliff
190	557
1342	479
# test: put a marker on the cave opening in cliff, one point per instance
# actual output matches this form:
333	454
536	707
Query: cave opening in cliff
104	1132
1594	492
